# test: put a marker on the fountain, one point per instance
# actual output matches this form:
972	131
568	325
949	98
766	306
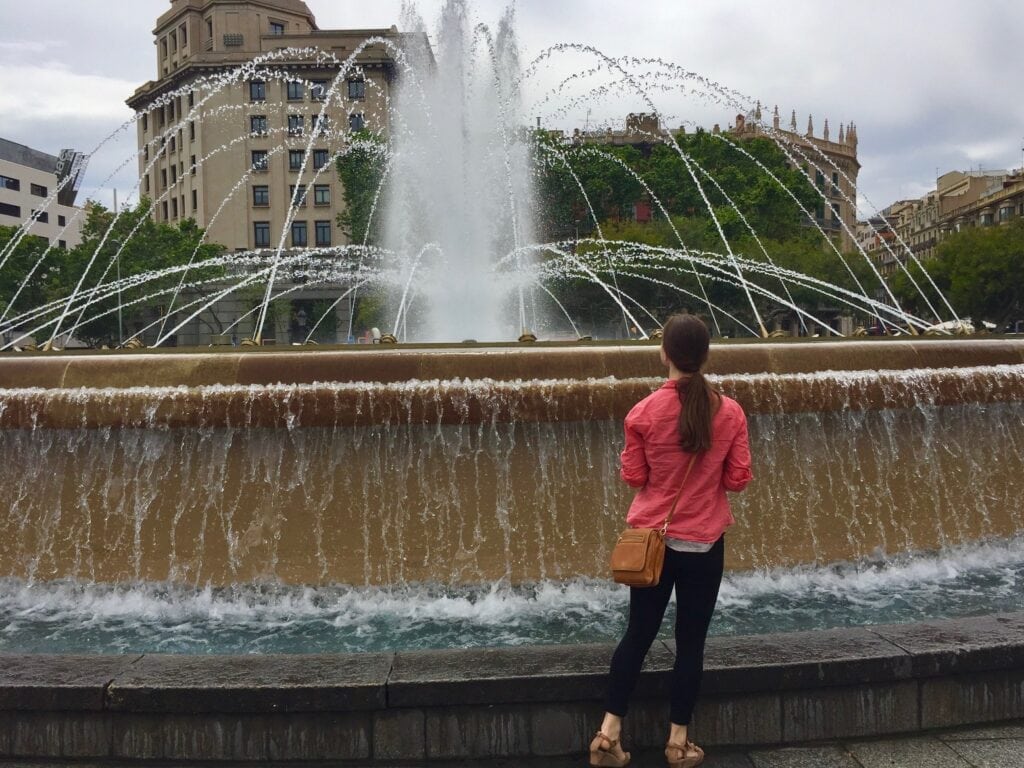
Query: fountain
406	497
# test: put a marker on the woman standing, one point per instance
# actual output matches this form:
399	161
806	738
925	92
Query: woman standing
684	420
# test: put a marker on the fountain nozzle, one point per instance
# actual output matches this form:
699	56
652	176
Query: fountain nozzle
526	337
388	338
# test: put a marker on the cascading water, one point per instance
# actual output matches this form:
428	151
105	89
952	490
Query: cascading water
459	180
426	513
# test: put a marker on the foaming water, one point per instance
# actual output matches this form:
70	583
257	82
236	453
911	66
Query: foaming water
69	616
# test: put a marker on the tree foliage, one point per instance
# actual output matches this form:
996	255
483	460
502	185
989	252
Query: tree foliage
980	271
361	170
131	245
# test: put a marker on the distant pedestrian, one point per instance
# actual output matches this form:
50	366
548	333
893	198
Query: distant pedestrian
682	420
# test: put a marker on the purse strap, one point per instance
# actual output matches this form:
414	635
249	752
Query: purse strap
679	493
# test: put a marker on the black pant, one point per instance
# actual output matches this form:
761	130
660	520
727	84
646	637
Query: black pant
696	577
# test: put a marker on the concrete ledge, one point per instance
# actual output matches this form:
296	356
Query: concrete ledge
505	702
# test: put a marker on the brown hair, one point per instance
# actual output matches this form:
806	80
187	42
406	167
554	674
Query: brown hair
686	341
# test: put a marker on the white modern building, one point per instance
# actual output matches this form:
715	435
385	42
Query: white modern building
33	187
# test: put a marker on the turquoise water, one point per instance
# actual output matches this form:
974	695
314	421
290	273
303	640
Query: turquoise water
72	617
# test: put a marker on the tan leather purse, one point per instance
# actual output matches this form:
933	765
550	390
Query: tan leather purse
639	554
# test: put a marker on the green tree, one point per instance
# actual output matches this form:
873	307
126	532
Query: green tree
361	170
132	246
980	271
25	261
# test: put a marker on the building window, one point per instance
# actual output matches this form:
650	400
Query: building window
296	125
163	48
209	29
165	210
62	244
38	190
986	219
319	159
191	130
174	41
257	90
145	121
163	178
259	160
276	28
192	165
321	194
300	201
10	210
7	182
183	34
61	221
260	196
258	125
296	91
318	90
174	207
295	159
146	184
835	212
321	124
299	236
1006	213
819	179
261	234
356	122
323	233
357	89
195	199
174	145
174	174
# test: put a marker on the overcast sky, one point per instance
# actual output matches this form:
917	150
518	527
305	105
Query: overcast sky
933	85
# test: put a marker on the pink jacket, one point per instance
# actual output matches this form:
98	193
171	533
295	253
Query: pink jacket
653	462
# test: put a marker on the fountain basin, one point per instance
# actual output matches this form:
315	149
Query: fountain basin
528	702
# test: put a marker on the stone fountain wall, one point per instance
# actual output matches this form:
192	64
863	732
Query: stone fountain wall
461	466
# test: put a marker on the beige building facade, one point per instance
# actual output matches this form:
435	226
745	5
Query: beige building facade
830	163
250	109
29	184
960	199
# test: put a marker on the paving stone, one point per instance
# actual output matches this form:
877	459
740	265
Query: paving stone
803	757
1005	731
994	753
255	683
49	682
906	753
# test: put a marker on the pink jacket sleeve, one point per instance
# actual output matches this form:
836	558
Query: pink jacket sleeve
634	459
736	472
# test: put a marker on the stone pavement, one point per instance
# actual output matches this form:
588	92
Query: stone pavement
992	746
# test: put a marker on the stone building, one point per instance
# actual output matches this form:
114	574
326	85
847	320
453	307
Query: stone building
223	141
831	165
960	199
29	183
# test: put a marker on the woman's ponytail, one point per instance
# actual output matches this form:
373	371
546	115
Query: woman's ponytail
686	342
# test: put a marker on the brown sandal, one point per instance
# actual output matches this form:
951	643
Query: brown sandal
689	755
607	753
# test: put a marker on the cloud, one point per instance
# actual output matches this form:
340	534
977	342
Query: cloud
58	93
